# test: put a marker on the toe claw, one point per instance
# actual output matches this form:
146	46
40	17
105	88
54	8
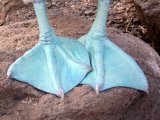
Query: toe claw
98	89
8	74
8	77
60	93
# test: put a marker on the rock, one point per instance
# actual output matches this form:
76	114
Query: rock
6	6
20	101
89	12
149	13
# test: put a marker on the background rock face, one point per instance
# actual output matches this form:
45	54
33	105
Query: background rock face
121	15
6	6
149	12
21	101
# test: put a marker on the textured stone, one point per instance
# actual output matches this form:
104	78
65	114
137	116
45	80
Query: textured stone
149	13
20	101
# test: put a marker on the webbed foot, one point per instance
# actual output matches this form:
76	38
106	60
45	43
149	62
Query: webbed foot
52	67
56	64
112	67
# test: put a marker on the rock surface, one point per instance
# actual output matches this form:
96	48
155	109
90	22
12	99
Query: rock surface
149	12
20	101
6	6
121	15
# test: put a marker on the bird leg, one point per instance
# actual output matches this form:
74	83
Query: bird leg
56	64
112	67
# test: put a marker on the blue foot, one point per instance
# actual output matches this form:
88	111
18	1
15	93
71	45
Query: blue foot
112	67
52	67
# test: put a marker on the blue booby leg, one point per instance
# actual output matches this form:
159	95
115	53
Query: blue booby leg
112	67
54	65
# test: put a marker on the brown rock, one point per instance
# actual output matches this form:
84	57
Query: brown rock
6	6
20	101
149	13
